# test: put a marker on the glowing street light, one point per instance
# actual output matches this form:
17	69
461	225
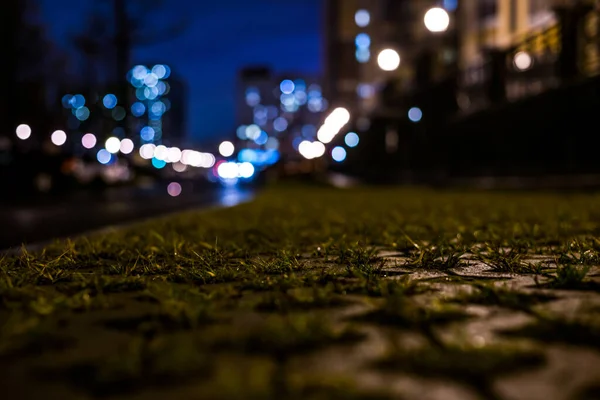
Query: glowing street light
437	20
388	60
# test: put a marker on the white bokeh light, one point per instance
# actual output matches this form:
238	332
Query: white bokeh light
161	152
226	148
245	170
126	146
88	140
112	145
147	151
436	20
58	138
388	60
310	150
523	61
174	154
23	131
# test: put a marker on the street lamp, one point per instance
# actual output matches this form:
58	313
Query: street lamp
388	60
436	20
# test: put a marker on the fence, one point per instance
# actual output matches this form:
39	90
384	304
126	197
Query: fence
542	60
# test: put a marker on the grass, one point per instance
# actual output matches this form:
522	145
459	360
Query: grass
473	367
184	301
489	295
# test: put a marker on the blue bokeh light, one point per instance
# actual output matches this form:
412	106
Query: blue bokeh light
82	113
415	114
138	109
287	86
262	138
147	133
66	100
338	154
109	101
363	55
351	139
77	101
158	164
450	5
103	156
363	41
159	70
139	72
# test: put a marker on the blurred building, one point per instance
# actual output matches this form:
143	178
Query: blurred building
275	112
356	31
175	117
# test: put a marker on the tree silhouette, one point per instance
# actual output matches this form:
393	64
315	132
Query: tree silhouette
27	59
117	27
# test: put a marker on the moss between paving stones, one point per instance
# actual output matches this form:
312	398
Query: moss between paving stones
165	302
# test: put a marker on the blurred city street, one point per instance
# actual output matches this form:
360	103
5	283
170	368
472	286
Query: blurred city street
302	199
82	212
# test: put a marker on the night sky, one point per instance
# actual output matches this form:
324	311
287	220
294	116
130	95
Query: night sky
223	36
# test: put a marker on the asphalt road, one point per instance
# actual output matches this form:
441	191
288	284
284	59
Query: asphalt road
82	212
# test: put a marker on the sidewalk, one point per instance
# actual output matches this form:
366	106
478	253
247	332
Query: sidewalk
316	293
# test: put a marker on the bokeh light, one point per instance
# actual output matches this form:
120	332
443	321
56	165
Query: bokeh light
138	109
272	144
362	18
310	150
226	148
280	124
109	101
363	55
158	164
388	60
77	101
103	156
338	154
245	170
88	140
333	124
112	145
82	113
174	189
139	72
523	61
174	154
351	139
58	138
436	20
228	170
126	146
161	153
147	133
241	132
363	41
415	114
23	131
262	138
287	86
252	131
147	151
160	71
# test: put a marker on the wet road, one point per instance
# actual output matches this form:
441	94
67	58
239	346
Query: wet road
83	212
